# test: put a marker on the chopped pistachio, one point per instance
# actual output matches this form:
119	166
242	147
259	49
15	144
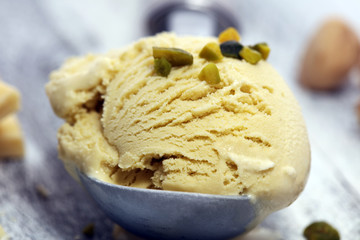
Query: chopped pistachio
211	52
210	74
229	34
231	49
321	231
262	48
250	55
89	230
162	66
175	56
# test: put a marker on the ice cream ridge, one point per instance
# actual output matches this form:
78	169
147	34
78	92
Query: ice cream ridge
194	114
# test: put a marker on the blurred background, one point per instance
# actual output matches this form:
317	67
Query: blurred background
37	36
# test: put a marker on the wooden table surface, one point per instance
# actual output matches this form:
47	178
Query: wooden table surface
37	36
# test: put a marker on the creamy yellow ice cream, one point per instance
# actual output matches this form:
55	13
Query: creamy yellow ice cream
127	125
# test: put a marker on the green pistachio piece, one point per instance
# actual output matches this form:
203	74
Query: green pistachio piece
321	231
250	55
262	48
162	66
210	74
231	49
211	52
175	56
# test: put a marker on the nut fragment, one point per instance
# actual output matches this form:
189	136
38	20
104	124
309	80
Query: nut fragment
162	66
262	48
175	56
210	74
211	52
250	55
231	49
330	55
321	231
229	34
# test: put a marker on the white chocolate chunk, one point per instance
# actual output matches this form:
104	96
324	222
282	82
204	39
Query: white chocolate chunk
11	138
251	163
9	99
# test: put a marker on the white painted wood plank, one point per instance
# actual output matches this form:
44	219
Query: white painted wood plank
36	37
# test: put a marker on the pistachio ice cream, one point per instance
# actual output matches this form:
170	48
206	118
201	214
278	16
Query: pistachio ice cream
126	124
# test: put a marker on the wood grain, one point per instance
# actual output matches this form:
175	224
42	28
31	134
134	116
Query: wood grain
37	36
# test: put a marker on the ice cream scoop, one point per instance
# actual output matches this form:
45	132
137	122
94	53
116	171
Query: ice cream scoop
179	129
155	214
